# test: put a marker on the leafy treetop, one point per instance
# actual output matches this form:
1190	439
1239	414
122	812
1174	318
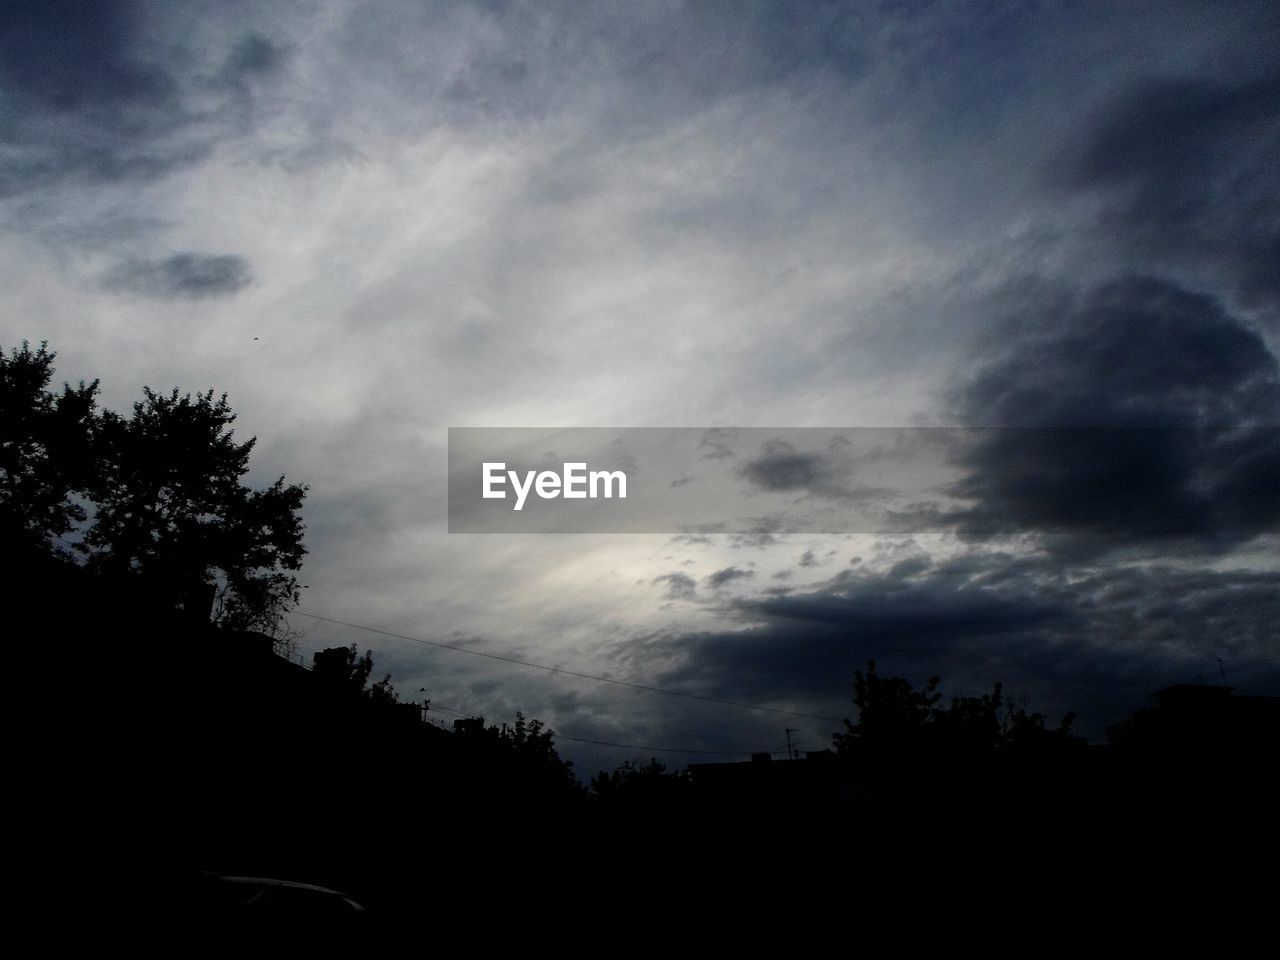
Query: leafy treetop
893	717
158	494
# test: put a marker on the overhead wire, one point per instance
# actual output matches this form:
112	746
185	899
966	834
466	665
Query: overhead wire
439	644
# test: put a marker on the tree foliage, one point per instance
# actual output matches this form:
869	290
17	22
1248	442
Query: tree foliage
639	783
893	717
526	747
158	494
344	669
46	451
890	711
534	743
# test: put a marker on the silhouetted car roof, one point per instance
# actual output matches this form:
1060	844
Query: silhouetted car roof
266	891
254	899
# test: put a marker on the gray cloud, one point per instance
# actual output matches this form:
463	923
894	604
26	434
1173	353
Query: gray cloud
253	56
522	63
910	567
680	586
827	474
185	276
780	467
717	444
728	575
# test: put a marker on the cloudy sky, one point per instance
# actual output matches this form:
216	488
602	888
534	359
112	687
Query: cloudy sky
370	222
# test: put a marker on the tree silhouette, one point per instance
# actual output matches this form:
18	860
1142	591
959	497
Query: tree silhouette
343	668
46	452
971	724
891	713
158	495
635	782
1023	731
534	743
893	717
384	691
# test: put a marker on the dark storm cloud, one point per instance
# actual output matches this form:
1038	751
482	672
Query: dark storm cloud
1136	351
1143	412
183	276
88	95
728	575
1098	642
1188	169
806	645
73	55
76	102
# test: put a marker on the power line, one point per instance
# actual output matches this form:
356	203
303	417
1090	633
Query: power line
454	710
572	673
601	743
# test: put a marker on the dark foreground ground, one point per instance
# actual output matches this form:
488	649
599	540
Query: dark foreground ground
153	758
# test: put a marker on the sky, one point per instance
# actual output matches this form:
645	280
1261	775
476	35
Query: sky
370	222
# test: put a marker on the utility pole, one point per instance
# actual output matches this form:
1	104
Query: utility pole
791	754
